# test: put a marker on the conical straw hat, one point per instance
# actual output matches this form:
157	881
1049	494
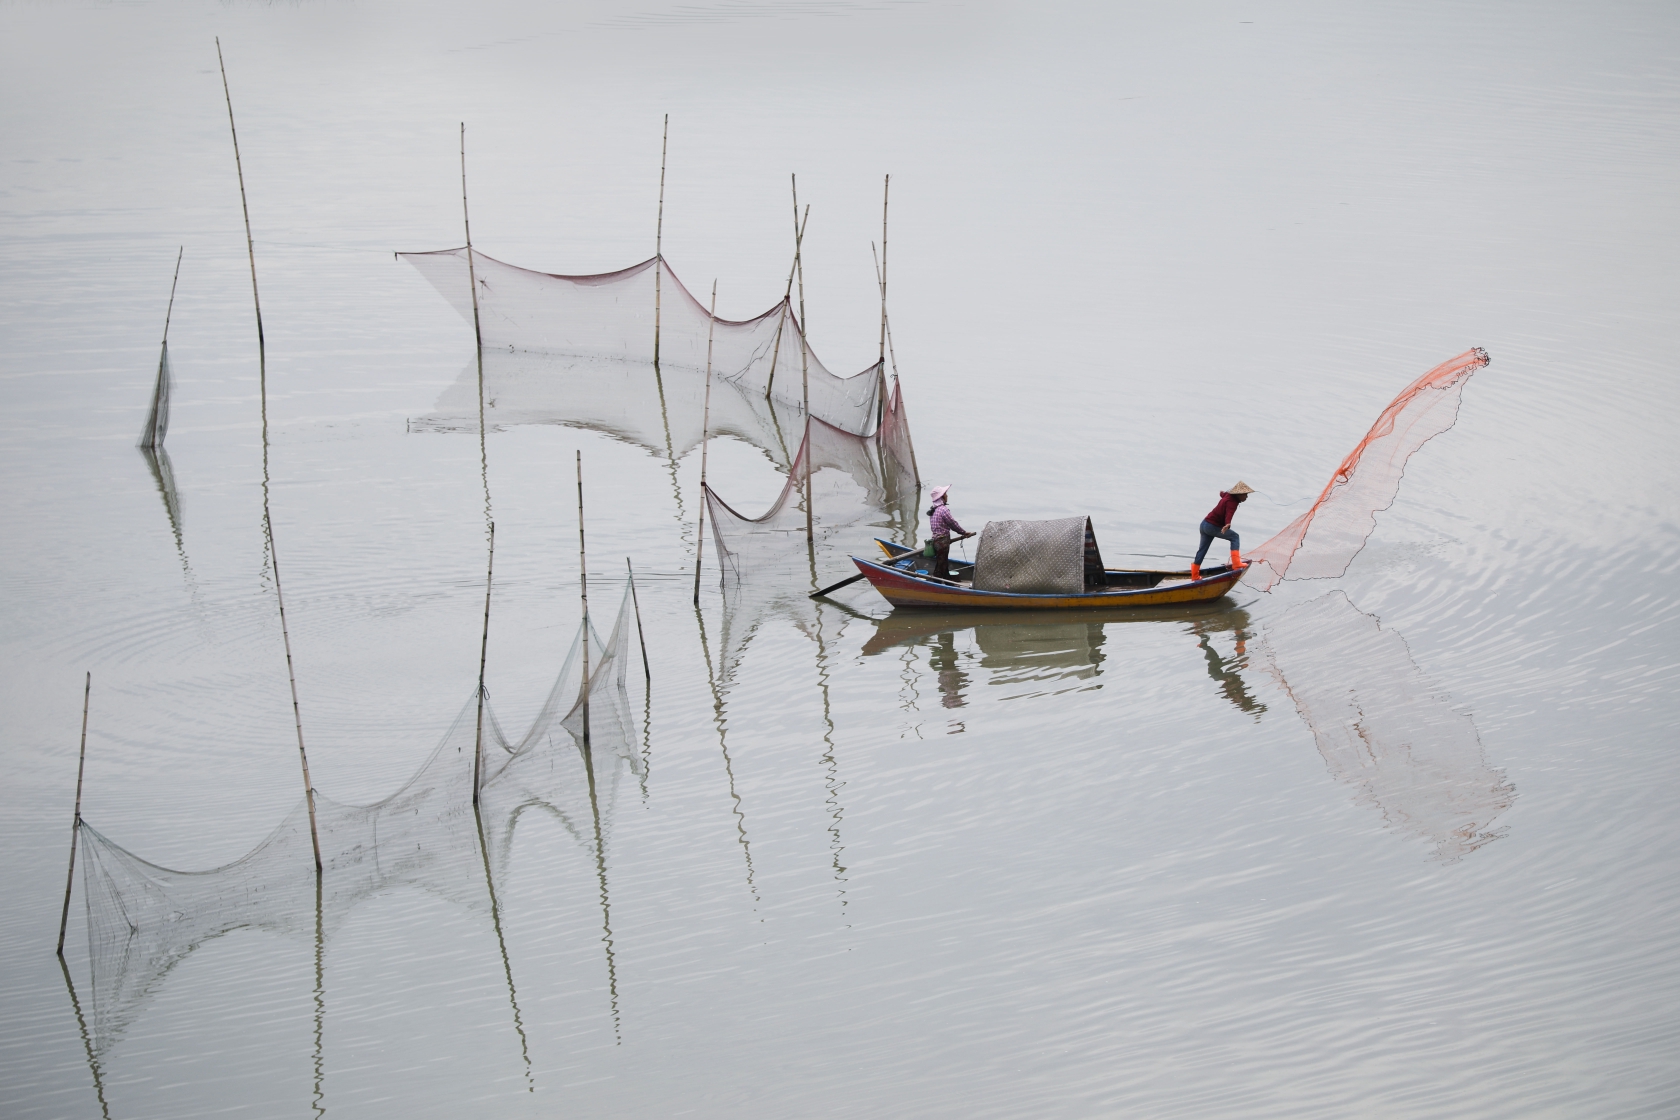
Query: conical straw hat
1241	488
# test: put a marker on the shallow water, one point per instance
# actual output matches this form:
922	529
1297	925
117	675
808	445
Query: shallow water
1398	844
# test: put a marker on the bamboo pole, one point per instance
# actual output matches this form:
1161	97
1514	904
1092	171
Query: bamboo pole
75	821
804	380
157	419
472	272
583	587
635	602
705	431
892	356
483	660
885	187
659	238
787	296
250	248
170	311
268	520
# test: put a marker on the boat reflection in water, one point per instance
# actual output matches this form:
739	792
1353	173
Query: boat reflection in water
1045	653
1383	727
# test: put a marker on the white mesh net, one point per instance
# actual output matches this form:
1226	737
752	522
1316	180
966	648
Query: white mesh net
143	919
855	482
157	417
611	316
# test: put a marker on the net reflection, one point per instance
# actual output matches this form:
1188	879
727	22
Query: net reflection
662	412
1383	727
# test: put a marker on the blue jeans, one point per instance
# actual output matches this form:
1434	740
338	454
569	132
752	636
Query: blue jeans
1210	531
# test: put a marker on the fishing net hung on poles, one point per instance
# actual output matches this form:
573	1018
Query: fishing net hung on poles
1323	541
611	316
856	483
143	918
157	416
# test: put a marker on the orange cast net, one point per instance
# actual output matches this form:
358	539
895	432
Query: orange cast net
1323	541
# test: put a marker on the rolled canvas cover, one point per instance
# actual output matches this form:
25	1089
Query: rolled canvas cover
1034	557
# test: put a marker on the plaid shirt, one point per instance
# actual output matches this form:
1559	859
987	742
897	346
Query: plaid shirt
943	523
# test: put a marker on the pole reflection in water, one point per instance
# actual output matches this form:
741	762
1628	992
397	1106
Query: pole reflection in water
1383	727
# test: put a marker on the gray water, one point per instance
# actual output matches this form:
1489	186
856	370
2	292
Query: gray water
883	866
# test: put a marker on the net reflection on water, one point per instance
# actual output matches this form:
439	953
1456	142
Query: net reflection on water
1384	727
1380	724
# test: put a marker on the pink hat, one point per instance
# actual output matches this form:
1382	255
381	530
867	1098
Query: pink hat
937	494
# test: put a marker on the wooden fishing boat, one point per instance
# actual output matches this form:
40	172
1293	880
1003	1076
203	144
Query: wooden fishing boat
902	576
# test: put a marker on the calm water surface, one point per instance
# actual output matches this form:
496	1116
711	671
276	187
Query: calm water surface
1400	844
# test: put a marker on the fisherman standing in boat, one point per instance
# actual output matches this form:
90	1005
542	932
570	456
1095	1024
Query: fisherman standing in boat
1218	524
941	524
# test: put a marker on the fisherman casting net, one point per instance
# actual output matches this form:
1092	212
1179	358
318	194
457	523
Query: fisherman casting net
1323	541
143	919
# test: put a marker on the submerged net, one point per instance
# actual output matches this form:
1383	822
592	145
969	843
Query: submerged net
1056	557
143	919
1383	728
157	417
1323	541
611	316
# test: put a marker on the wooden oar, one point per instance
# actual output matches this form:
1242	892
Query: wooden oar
836	586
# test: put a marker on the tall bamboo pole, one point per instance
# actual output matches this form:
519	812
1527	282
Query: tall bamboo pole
583	587
484	475
75	821
240	168
659	238
637	603
483	660
787	295
170	310
157	419
268	521
804	377
894	359
886	185
705	431
472	272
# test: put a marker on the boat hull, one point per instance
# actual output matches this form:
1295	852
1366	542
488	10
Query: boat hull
906	589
